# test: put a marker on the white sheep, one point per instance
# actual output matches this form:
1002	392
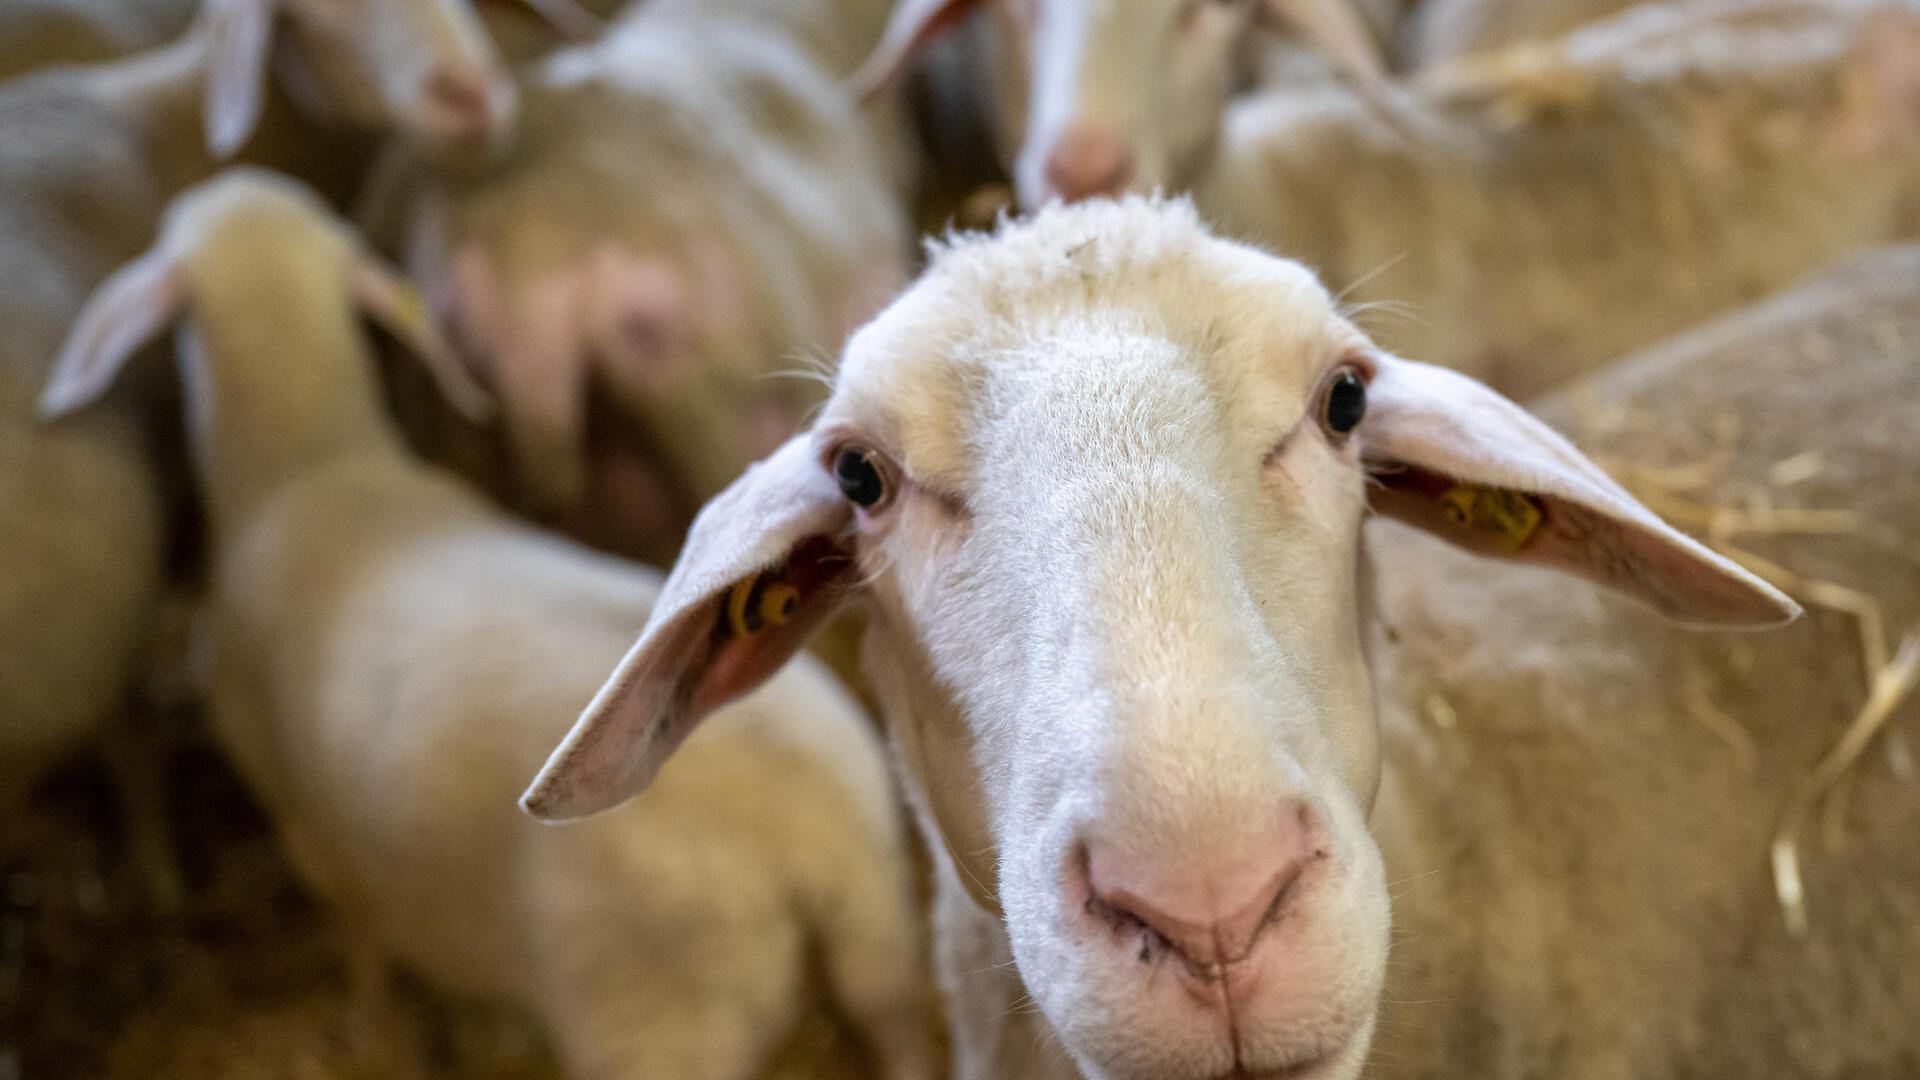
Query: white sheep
1579	800
693	206
392	655
1556	206
1095	97
88	158
1102	479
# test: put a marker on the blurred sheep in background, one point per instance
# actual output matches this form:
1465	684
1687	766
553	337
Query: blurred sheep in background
694	213
1092	98
648	245
392	657
88	158
1547	208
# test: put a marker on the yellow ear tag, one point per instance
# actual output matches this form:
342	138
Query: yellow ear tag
778	603
410	309
1513	516
755	603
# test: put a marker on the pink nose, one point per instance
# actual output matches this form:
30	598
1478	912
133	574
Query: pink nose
1211	905
1089	161
462	102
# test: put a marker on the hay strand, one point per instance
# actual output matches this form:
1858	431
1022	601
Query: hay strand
1892	683
1700	705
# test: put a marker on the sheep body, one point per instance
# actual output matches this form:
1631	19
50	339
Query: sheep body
1562	204
392	657
694	206
1584	858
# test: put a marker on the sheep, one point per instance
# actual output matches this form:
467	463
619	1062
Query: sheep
1100	479
88	158
1564	204
391	654
692	206
1096	98
1585	857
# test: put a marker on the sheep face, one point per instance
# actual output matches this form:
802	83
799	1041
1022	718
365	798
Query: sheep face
1098	97
1093	97
1105	97
1114	555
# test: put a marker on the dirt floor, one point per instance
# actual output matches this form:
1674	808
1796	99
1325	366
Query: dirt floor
244	979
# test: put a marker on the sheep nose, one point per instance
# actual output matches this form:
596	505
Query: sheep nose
463	103
1211	905
1089	161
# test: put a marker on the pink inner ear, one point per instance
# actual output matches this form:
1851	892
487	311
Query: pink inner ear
1670	573
822	573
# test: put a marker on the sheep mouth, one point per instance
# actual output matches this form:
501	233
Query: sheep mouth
1310	1069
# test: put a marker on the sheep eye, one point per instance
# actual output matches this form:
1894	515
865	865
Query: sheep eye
1346	403
858	476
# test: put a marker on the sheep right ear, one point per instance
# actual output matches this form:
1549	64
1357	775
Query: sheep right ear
124	313
912	25
765	564
239	36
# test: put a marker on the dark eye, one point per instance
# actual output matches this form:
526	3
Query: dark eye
859	477
1346	403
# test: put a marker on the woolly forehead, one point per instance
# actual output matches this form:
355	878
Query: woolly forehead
1083	313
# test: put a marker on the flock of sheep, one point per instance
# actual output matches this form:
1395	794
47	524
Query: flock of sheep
1222	766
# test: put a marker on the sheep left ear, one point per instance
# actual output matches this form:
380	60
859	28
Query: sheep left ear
1454	458
766	563
1338	32
396	304
128	309
239	36
912	25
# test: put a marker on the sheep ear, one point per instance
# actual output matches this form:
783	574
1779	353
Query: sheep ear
536	341
124	313
394	303
1457	459
912	24
239	36
1337	31
765	564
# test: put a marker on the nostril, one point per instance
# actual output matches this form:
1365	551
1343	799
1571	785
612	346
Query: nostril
1209	906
